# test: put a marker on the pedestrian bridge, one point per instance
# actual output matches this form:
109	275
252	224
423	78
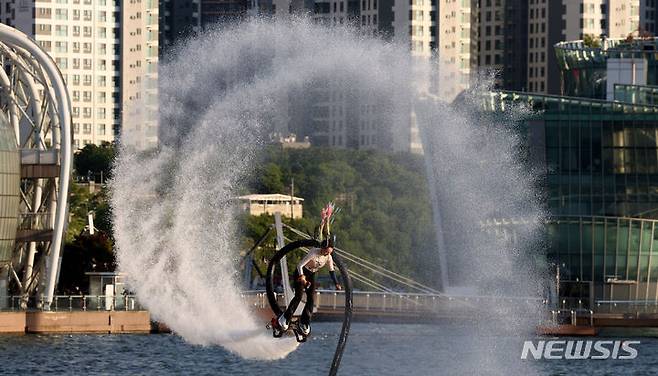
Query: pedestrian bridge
382	306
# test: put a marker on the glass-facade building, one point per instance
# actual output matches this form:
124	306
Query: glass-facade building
597	148
10	174
600	168
585	70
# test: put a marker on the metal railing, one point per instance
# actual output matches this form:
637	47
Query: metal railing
627	307
72	303
381	302
563	316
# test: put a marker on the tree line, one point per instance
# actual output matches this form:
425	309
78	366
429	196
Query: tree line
385	208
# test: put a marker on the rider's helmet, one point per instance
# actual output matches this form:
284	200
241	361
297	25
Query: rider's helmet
330	241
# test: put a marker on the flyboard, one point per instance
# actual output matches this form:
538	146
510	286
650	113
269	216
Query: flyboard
280	258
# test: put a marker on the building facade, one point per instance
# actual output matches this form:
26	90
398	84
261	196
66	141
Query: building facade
104	49
178	19
593	71
631	17
10	200
599	163
457	25
502	42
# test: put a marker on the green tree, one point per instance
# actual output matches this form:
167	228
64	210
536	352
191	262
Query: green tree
94	160
87	253
386	217
270	179
591	41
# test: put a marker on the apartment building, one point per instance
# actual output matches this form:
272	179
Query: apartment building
106	51
139	73
220	11
178	19
502	42
457	24
631	17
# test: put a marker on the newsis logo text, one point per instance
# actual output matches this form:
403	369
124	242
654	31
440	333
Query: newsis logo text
563	349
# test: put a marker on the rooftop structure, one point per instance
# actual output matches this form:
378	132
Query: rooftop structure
592	71
259	204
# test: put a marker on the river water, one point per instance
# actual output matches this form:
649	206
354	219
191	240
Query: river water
373	349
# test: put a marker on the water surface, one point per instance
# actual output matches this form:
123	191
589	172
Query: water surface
373	349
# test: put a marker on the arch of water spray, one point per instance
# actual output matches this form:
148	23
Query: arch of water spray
175	229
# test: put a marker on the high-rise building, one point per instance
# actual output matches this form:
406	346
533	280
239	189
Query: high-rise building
178	19
456	45
220	11
106	51
139	72
414	24
554	21
631	17
502	42
541	16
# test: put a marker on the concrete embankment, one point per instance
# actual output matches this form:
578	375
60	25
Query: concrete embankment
75	322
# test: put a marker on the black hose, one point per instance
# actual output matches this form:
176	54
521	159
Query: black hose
347	319
347	287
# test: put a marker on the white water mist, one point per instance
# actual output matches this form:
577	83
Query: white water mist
220	96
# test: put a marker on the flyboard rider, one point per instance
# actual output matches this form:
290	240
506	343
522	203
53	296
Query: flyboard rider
305	272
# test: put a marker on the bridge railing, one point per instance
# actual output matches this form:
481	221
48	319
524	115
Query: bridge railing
72	303
325	300
392	302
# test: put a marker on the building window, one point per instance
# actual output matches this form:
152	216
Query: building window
61	30
101	130
62	63
61	47
61	14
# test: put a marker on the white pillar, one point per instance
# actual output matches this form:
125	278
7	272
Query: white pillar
4	291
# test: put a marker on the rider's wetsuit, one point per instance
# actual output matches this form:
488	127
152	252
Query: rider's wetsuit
310	264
